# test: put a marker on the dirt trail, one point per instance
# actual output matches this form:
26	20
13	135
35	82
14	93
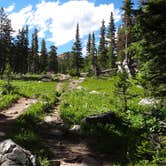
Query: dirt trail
8	116
67	149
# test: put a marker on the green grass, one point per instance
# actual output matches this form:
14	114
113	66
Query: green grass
35	88
30	89
98	96
106	85
7	100
77	104
26	128
129	143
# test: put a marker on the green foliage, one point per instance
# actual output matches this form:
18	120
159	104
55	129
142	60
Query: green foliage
20	57
9	89
102	51
5	39
43	161
7	100
44	57
77	61
99	96
52	60
35	88
32	115
131	136
26	129
26	137
78	104
7	73
111	43
47	98
151	22
30	140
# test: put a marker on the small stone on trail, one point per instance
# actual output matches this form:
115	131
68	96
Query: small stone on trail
76	129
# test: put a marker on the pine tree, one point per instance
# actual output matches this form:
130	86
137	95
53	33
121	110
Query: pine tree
88	45
5	39
44	57
102	51
93	55
53	60
111	43
34	52
20	62
152	23
77	52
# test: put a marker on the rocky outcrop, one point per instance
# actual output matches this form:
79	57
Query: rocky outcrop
12	154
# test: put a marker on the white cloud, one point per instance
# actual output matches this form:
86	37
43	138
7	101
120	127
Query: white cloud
10	8
60	19
21	18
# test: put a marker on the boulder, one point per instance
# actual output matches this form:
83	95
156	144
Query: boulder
12	154
105	118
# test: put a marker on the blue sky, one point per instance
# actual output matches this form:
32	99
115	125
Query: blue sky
56	19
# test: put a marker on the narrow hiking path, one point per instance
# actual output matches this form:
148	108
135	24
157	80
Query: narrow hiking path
9	115
67	149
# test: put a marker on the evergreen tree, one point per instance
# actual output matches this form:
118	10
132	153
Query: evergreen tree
93	55
53	60
111	43
5	39
102	51
77	52
88	46
20	62
151	21
44	57
88	50
34	52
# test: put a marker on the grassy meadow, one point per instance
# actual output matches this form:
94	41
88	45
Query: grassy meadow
126	140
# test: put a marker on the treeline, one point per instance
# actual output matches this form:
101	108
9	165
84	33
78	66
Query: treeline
22	56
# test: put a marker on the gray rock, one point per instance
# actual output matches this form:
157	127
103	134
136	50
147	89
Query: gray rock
12	154
148	101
